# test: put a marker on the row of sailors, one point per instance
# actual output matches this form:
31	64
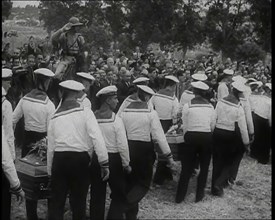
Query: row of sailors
141	122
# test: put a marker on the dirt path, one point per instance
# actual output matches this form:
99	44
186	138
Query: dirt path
251	200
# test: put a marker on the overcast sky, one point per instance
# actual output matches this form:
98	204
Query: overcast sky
24	3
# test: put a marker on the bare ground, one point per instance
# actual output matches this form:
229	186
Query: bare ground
249	200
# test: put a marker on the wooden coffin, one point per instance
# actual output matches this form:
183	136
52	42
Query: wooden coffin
33	176
173	141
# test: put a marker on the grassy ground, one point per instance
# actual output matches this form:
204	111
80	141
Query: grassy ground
251	200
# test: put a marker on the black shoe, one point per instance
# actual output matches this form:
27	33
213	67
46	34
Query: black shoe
178	199
217	191
199	197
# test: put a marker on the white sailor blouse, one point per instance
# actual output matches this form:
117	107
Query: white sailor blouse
263	108
115	138
7	164
37	109
85	101
227	114
248	115
7	124
198	116
222	91
142	123
129	100
75	128
186	96
166	106
253	101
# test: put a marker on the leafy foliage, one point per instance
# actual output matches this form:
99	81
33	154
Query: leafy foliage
181	24
6	9
223	26
249	52
261	19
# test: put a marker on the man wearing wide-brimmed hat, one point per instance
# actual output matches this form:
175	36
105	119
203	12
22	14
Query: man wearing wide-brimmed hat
71	44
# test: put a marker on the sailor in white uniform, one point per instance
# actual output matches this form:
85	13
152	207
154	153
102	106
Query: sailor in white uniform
87	80
199	119
7	111
244	101
142	124
37	109
230	138
223	88
166	105
187	95
260	149
73	136
134	97
114	134
10	181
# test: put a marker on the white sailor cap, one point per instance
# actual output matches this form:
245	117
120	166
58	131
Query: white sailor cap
86	76
268	85
239	78
140	79
200	85
173	78
199	76
6	73
72	85
108	90
239	86
257	83
146	89
4	92
228	72
44	72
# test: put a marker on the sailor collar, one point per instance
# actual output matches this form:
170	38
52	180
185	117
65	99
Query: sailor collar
137	106
81	99
37	96
107	120
230	103
68	107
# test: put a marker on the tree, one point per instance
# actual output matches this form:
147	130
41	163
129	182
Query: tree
223	26
261	19
188	30
6	9
250	52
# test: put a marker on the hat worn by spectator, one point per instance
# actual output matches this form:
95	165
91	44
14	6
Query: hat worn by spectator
239	86
199	76
6	73
173	78
140	80
86	76
44	72
200	85
108	90
268	85
239	78
72	85
146	89
228	72
74	21
4	92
